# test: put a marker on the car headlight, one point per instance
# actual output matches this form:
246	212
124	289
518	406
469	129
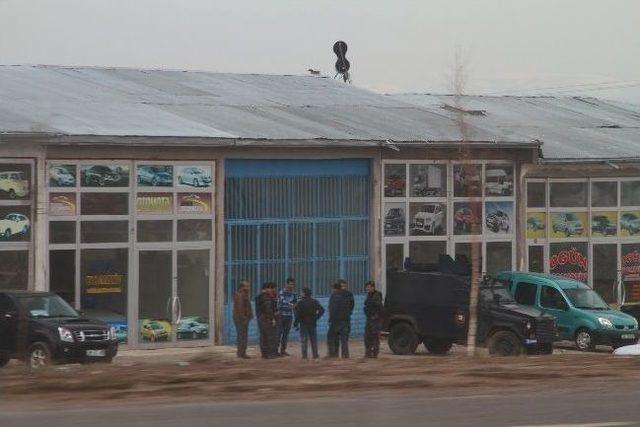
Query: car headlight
112	333
528	326
65	334
605	322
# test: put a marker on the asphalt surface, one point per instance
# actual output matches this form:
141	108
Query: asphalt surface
595	407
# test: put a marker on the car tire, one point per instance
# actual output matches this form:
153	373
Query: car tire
584	340
403	339
504	343
38	356
4	359
438	346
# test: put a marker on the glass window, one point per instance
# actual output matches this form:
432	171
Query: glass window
428	180
394	219
526	293
155	277
467	218
427	219
190	230
193	294
465	255
568	194
426	252
631	271
14	270
15	224
395	180
15	181
630	193
605	270
62	232
62	175
467	180
104	231
395	256
105	175
62	274
569	259
154	203
499	217
552	298
498	257
155	231
498	181
62	204
536	195
104	204
155	176
536	259
604	194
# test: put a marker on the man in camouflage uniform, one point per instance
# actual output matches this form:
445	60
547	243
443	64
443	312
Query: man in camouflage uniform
266	310
373	309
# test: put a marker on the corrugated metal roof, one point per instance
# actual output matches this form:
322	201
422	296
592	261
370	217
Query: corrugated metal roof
133	102
570	127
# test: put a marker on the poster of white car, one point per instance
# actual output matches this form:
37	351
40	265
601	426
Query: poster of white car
194	176
62	176
14	224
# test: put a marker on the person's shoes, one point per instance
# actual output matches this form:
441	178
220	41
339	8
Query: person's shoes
284	353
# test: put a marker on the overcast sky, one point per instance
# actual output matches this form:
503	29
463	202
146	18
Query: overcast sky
509	46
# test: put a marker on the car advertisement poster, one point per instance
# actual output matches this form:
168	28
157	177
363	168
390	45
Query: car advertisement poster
14	181
395	180
569	260
498	181
428	180
154	176
104	283
155	330
467	218
62	176
499	217
568	224
154	203
194	203
15	223
467	180
105	175
62	204
629	223
394	219
198	176
427	219
604	224
536	224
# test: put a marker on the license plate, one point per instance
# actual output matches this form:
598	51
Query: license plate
628	337
96	353
531	341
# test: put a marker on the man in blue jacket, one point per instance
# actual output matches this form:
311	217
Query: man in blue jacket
287	301
341	305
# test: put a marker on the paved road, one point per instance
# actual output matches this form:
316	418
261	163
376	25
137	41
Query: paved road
606	407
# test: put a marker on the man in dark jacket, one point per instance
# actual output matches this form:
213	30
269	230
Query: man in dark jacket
340	308
308	311
373	309
242	315
266	313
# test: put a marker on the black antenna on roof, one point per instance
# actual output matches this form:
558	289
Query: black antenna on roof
342	64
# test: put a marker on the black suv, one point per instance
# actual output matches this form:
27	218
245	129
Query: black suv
41	328
432	307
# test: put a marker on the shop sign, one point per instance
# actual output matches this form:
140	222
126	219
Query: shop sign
154	203
104	283
569	224
62	204
570	263
631	266
194	203
536	225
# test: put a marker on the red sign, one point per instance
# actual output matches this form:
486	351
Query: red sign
570	263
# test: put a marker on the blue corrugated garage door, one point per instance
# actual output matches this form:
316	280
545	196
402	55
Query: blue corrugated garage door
303	218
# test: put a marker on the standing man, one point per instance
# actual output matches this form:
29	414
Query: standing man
373	309
242	315
308	311
340	308
266	313
287	300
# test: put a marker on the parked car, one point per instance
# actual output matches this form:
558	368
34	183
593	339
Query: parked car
101	176
14	184
394	222
430	219
630	222
154	175
498	183
535	224
195	177
55	332
394	186
568	223
498	221
601	224
154	330
59	176
13	224
193	328
432	307
582	315
464	219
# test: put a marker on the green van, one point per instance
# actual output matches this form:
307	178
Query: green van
581	314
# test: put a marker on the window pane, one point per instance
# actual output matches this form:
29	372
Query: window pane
605	274
62	274
62	204
394	219
569	260
498	257
464	254
536	259
14	269
569	224
62	175
604	194
190	230
15	181
155	231
552	298
498	181
631	271
467	218
15	225
395	257
154	203
104	231
428	219
630	193
428	180
104	204
568	194
193	292
536	195
526	293
499	217
426	252
155	277
467	180
105	175
395	180
155	176
62	232
604	223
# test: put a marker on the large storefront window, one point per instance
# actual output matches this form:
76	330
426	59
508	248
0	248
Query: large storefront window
16	222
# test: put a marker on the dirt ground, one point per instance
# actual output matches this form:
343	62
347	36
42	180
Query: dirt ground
215	375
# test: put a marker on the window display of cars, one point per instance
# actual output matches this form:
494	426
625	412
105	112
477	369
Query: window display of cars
155	330
155	176
13	224
14	184
465	220
498	183
602	225
60	176
193	328
430	219
497	221
630	222
194	176
394	186
394	222
567	223
104	176
534	224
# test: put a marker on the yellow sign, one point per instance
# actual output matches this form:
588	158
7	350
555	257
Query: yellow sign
154	203
604	224
536	225
62	204
194	203
104	283
568	224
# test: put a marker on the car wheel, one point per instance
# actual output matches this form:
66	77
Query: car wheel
38	356
504	343
196	183
4	359
584	340
403	339
438	346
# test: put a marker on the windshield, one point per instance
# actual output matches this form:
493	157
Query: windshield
46	306
585	298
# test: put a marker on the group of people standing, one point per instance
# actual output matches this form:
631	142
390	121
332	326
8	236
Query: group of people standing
277	312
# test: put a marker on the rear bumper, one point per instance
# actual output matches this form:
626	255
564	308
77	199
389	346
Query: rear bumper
77	352
615	337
